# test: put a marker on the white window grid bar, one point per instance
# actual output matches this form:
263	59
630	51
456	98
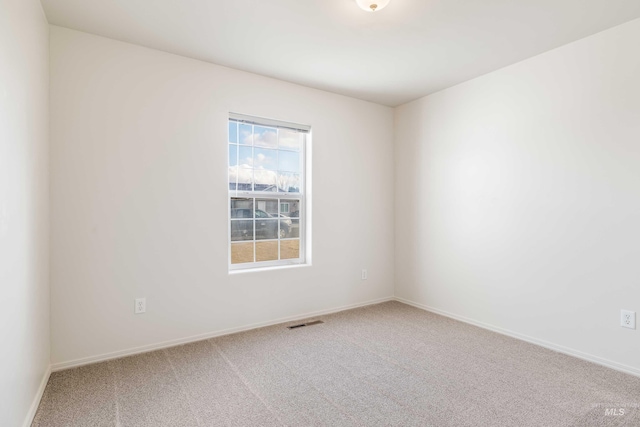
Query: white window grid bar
277	170
270	195
278	220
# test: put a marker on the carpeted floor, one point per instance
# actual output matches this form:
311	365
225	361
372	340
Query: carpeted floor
384	365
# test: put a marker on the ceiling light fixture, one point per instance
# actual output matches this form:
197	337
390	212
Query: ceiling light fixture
372	5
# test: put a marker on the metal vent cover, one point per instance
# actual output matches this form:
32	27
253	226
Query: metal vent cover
315	322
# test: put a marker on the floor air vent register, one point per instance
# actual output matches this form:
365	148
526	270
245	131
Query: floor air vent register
301	325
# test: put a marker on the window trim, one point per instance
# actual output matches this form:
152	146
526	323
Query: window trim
260	121
301	197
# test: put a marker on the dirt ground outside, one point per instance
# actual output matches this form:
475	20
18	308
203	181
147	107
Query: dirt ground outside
265	251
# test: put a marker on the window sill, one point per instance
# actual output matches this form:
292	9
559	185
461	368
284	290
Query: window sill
262	269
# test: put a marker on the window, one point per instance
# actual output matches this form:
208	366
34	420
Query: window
266	192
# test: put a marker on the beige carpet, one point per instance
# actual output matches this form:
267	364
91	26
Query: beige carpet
383	365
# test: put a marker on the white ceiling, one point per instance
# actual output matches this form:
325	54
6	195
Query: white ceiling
410	49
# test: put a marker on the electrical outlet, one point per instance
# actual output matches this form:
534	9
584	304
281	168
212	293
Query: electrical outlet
628	319
364	274
141	305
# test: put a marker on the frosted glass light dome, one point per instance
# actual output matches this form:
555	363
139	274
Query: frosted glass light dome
372	5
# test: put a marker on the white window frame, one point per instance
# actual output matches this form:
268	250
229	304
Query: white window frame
281	197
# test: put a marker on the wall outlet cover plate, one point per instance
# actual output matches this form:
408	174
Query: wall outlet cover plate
628	319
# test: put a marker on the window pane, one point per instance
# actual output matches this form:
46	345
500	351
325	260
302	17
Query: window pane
289	139
233	132
290	221
241	252
233	155
241	208
289	182
266	208
245	134
233	177
266	251
294	210
244	171
289	161
287	230
245	157
241	229
265	180
289	249
266	228
245	179
263	158
265	137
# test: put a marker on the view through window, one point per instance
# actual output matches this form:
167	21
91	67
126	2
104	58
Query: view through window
266	192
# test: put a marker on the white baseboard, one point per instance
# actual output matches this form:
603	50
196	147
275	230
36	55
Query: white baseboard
172	343
542	343
38	397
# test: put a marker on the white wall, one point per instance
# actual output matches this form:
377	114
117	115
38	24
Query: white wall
24	207
139	198
518	197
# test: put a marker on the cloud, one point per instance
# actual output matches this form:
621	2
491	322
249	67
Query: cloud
282	180
246	175
270	138
265	137
289	139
